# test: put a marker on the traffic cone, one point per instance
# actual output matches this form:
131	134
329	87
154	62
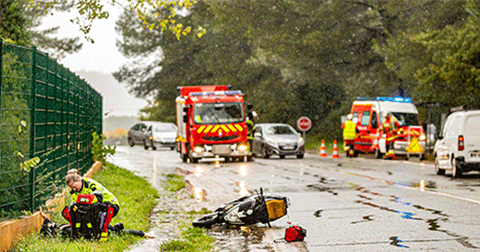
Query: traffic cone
323	153
335	150
375	145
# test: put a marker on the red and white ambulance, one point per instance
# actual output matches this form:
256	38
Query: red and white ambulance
368	115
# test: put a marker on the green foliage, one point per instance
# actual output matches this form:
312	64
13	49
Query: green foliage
13	22
100	151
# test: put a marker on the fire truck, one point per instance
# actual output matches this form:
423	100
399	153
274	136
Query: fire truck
211	123
368	114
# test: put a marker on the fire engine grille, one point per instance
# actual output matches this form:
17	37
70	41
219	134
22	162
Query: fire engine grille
215	138
221	149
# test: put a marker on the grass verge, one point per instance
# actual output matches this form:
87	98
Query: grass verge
187	238
137	199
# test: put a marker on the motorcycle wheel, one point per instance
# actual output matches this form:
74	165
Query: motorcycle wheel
207	220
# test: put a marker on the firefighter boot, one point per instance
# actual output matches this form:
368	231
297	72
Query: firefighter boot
390	155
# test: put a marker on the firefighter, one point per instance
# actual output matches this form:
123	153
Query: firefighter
349	134
252	117
80	185
390	126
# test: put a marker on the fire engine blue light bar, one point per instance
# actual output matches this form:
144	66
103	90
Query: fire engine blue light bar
389	99
235	92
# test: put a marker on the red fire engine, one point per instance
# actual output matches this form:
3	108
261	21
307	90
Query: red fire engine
368	114
211	123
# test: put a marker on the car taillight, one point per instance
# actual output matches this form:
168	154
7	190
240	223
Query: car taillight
461	144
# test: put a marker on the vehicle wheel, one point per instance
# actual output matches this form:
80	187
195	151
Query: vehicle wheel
265	153
421	157
183	157
456	170
438	171
282	156
194	160
300	156
172	148
378	154
153	146
130	142
145	145
249	158
207	220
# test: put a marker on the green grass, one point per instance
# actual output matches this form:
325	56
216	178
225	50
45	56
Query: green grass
313	143
190	239
193	239
137	199
174	183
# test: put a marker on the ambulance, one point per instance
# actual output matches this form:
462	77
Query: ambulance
368	114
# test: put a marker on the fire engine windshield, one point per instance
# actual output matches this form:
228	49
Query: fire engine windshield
218	113
407	119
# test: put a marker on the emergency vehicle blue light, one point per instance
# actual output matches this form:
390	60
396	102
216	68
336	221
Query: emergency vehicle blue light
395	99
235	92
390	99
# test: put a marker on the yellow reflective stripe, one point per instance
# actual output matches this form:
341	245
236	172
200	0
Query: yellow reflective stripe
77	225
215	128
225	128
199	130
239	127
232	128
209	127
89	225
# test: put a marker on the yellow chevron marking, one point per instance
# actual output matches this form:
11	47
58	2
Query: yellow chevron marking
199	130
224	127
239	127
209	127
215	128
230	126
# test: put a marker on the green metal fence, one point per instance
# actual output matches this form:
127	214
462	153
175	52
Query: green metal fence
47	117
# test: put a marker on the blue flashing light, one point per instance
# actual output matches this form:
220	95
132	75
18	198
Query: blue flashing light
235	92
386	99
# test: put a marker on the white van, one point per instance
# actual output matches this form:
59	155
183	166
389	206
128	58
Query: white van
458	145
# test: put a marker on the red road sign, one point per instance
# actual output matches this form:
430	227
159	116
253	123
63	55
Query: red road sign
304	123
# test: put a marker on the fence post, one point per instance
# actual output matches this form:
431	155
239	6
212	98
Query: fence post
1	76
32	127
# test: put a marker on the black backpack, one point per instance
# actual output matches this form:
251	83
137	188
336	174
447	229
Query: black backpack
85	218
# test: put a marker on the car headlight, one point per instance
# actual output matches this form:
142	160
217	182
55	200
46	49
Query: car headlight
422	137
198	149
242	147
301	141
271	142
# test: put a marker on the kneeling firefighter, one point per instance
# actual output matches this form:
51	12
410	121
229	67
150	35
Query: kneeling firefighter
108	203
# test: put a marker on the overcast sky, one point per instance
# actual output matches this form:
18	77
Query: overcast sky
95	62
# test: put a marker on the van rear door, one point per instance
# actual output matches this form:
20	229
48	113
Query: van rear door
472	137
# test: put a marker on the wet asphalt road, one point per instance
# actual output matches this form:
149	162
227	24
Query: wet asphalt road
360	204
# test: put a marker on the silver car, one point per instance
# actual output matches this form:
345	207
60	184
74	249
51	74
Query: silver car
277	139
161	135
136	134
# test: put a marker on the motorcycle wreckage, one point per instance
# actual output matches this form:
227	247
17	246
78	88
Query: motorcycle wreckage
247	210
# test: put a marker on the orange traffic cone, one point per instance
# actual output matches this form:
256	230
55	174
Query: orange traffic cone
375	145
323	153
335	150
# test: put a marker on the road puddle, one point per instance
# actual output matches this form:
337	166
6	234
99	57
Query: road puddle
239	240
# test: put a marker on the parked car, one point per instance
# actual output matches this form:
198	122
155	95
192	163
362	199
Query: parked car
458	145
277	139
161	135
136	134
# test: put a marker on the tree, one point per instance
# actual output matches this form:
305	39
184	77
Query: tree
90	10
13	23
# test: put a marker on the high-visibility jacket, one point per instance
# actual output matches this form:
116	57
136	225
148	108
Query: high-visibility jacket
93	187
349	130
390	124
